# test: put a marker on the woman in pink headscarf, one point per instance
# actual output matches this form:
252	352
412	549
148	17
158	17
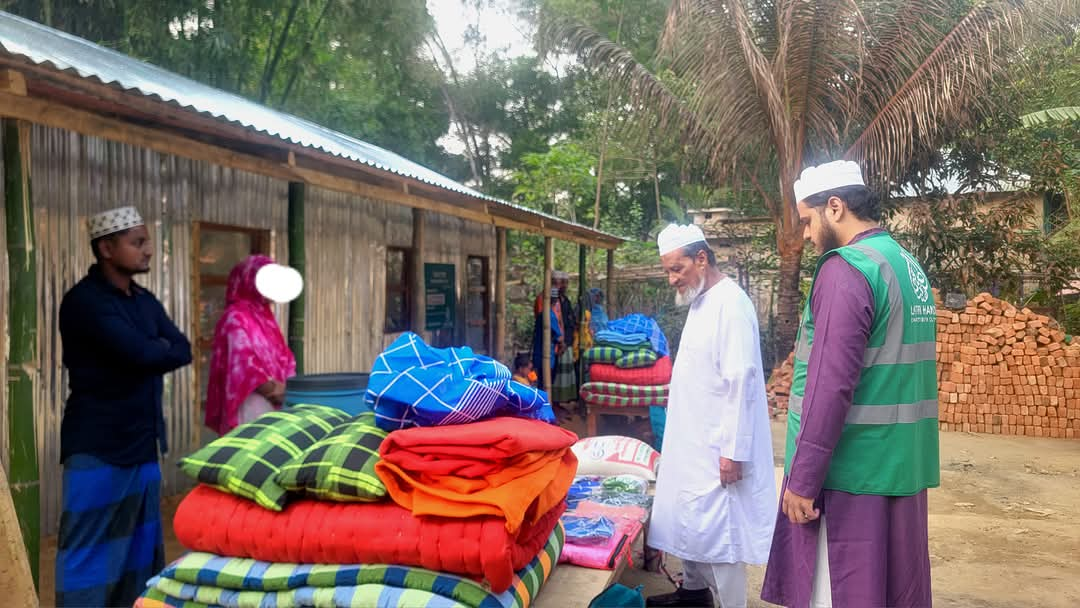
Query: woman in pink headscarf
251	359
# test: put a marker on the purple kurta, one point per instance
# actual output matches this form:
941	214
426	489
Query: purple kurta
878	548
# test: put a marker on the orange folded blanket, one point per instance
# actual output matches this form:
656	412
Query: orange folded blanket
512	468
318	532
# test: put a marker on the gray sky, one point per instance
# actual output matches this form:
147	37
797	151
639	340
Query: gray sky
503	31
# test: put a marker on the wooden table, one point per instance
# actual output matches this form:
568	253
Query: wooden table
593	412
571	586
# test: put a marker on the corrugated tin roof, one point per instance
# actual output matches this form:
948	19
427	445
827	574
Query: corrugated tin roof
43	45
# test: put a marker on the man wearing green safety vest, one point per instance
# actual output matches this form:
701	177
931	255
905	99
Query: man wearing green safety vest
862	437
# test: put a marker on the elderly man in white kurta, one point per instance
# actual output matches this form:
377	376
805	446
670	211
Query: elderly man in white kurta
715	491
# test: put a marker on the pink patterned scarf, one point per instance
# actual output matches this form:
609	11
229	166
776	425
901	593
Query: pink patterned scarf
249	348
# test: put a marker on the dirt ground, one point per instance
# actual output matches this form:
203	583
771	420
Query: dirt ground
1002	526
1002	531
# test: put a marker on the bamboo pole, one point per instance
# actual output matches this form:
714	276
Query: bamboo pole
611	283
22	344
16	580
500	294
298	260
418	298
545	297
583	304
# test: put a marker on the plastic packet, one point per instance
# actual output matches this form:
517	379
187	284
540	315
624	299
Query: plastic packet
587	530
584	486
627	484
589	508
621	499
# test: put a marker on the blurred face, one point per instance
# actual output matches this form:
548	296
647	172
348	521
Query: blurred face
685	274
818	227
129	251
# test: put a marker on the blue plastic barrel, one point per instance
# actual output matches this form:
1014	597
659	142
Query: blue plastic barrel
344	391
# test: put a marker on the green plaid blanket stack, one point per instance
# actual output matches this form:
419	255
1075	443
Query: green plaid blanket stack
611	394
625	359
246	460
202	579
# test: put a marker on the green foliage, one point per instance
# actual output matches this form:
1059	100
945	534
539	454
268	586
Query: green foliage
1050	115
970	248
559	181
1070	319
351	65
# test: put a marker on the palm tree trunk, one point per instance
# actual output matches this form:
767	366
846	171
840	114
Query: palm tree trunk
789	296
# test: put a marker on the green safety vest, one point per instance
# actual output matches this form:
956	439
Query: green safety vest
889	444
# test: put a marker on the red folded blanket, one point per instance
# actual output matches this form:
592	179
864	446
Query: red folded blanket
316	532
512	468
659	373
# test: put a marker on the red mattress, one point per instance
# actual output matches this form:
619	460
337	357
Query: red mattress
657	374
311	531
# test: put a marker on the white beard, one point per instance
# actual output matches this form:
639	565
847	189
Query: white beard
687	296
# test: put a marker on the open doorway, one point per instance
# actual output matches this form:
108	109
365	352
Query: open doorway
217	248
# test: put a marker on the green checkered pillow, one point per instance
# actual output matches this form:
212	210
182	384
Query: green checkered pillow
246	460
340	466
636	359
602	354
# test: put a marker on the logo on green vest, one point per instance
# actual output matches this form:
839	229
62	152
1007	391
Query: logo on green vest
919	283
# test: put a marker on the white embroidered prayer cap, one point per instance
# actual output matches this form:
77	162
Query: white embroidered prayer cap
837	174
279	283
113	221
676	237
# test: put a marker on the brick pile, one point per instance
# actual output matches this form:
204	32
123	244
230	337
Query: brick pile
779	387
1007	371
1001	370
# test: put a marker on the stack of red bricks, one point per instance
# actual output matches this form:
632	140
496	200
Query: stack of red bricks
1001	370
779	387
1006	371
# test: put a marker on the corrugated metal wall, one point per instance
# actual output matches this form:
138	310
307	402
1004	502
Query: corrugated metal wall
346	253
346	267
75	176
452	240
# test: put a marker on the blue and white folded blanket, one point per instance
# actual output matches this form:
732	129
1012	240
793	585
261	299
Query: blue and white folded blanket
413	384
617	339
638	323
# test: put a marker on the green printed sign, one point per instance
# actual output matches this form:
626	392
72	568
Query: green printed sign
440	296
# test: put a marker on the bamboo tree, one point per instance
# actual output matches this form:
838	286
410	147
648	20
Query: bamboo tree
22	329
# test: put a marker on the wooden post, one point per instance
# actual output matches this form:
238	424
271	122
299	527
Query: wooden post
611	309
500	294
583	304
22	344
298	261
16	579
545	297
417	299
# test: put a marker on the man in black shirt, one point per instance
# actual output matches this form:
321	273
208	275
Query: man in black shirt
118	343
